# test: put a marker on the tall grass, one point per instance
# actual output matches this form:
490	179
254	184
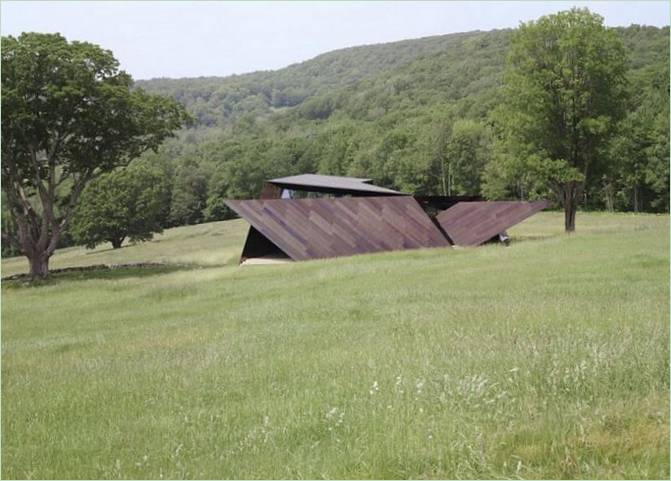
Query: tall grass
545	359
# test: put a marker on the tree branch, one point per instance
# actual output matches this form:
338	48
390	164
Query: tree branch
77	189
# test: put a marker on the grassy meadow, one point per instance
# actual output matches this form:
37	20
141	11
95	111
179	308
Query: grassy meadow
545	359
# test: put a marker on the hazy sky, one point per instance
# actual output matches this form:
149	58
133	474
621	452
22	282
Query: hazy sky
190	39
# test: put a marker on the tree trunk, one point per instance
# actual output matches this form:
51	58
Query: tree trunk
570	201
442	177
116	243
569	217
609	197
39	266
38	229
449	179
38	243
636	199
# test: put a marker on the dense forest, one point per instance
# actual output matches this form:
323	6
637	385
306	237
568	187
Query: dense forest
397	113
414	115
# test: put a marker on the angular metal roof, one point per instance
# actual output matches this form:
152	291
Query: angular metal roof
331	227
473	223
332	184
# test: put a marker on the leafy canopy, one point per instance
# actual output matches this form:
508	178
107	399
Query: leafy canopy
565	89
130	202
68	115
391	110
71	102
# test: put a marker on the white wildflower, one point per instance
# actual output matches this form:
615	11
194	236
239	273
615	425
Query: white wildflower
419	386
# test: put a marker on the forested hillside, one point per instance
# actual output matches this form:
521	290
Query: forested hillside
220	101
397	112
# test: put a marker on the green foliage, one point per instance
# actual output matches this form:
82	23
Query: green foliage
389	112
639	152
466	156
224	101
130	202
189	194
565	91
68	115
57	99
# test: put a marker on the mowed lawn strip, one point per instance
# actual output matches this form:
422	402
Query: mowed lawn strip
545	359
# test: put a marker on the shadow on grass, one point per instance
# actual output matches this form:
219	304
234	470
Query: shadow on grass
108	273
533	238
103	251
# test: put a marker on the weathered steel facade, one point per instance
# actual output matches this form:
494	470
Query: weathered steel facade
357	217
332	227
474	223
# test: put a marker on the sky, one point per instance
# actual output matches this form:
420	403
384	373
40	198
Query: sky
191	39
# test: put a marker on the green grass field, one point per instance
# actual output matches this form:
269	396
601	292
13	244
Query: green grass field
545	359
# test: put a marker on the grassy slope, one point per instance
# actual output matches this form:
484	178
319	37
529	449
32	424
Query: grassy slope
545	359
212	244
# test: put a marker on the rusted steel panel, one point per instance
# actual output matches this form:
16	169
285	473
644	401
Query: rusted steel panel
332	227
473	223
331	184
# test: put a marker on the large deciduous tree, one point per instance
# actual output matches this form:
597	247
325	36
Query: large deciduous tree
564	93
68	115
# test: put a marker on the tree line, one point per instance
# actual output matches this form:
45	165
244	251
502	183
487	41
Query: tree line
561	108
438	120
